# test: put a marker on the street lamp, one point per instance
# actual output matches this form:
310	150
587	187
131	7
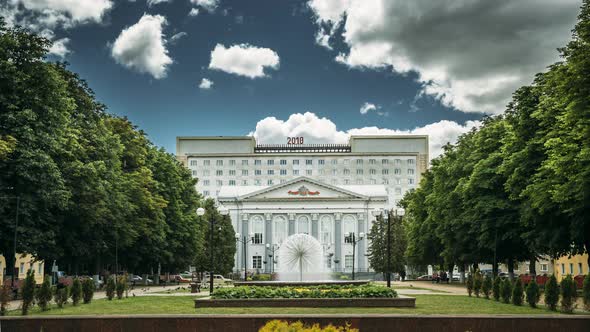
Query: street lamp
245	242
201	212
397	212
352	239
272	249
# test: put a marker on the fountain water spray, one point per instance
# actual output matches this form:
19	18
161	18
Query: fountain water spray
301	256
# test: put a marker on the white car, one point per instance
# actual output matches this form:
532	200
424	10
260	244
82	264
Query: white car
217	279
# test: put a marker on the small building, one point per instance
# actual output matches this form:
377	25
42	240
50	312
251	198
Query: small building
574	265
24	262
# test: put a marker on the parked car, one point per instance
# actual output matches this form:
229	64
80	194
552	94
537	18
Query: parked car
139	280
217	279
180	279
424	277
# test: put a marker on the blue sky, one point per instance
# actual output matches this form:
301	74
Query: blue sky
416	67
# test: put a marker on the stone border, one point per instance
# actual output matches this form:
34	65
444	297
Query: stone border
301	283
385	302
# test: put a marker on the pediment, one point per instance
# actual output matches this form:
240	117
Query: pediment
302	188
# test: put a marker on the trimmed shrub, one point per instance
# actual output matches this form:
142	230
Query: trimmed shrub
28	292
261	277
282	326
568	294
44	294
88	290
4	299
61	295
76	291
506	290
477	283
586	292
323	291
532	293
486	287
110	288
469	284
517	292
551	293
496	287
121	286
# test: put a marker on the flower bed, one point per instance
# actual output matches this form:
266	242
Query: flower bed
311	292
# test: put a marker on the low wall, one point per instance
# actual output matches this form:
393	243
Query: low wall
301	283
251	323
398	302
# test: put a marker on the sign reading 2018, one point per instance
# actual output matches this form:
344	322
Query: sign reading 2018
294	140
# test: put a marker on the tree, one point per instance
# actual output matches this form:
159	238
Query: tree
28	292
586	291
487	286
496	288
111	287
62	293
551	293
477	283
121	286
470	284
532	293
506	290
44	294
76	291
377	250
517	292
567	287
88	290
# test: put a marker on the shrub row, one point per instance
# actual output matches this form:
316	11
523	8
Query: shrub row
331	291
282	326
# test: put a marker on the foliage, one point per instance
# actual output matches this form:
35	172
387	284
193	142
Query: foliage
532	293
283	326
88	290
62	293
4	299
486	287
377	251
44	293
76	291
568	294
551	293
586	291
496	288
517	292
28	292
121	286
506	290
477	283
324	291
261	277
111	287
469	284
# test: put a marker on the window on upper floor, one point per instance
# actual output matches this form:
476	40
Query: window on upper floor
232	172
206	172
359	161
359	181
270	162
257	182
334	161
283	172
308	161
270	172
385	181
257	172
334	181
295	172
372	171
219	163
398	191
206	182
295	161
359	171
397	171
232	162
244	172
384	161
269	182
321	172
219	172
257	162
410	181
194	172
334	172
385	171
193	163
308	172
283	161
244	182
346	181
410	161
245	162
232	182
398	161
410	171
206	162
373	181
257	230
372	161
346	161
205	192
219	183
321	162
346	171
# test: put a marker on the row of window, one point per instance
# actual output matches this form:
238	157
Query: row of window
346	171
580	269
271	182
257	262
271	162
22	270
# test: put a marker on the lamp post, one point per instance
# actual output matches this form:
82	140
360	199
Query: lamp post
245	242
353	239
201	212
397	212
272	250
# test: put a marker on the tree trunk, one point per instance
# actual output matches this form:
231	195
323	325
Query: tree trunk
511	269
450	275
495	269
462	273
533	266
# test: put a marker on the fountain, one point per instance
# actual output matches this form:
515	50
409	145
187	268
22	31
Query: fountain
301	258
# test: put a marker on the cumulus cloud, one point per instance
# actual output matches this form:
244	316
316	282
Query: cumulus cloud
60	48
367	107
155	2
244	60
175	38
470	55
142	47
193	12
322	130
208	5
206	84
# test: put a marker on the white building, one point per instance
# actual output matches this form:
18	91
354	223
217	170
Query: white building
325	190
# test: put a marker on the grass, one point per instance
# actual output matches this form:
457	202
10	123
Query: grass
425	304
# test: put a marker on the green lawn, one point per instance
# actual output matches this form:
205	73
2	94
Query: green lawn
425	304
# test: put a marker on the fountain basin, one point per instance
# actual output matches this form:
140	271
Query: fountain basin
397	302
278	283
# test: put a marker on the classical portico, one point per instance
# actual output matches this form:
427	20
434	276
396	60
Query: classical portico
302	205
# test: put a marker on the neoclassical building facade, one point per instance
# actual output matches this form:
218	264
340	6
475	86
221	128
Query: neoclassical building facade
324	190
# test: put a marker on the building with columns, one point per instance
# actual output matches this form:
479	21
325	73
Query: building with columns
324	190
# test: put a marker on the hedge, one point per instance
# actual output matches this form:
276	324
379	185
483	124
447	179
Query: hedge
323	291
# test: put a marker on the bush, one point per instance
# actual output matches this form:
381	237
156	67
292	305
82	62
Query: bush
282	326
44	294
28	292
586	292
477	283
486	287
61	295
4	299
551	293
496	287
344	277
568	294
323	291
506	290
110	289
532	293
88	290
261	277
76	291
517	292
469	284
121	286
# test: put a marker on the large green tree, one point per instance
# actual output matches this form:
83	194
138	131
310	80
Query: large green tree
378	247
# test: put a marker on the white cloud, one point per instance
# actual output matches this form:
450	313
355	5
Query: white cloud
470	55
142	47
60	48
244	60
155	2
316	130
208	5
206	84
367	107
193	12
175	38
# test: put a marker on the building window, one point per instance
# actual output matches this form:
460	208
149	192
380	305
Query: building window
270	172
398	191
410	171
562	268
280	229
346	181
571	268
544	268
283	161
308	162
295	172
397	171
245	162
398	161
270	162
244	172
410	181
398	181
334	172
232	172
219	172
348	261
206	182
385	171
384	161
283	172
326	230
372	171
269	182
359	181
257	182
206	162
346	171
232	162
359	171
580	269
193	163
410	161
359	161
321	162
385	181
282	181
256	262
321	172
219	162
257	162
194	173
232	182
219	183
39	269
244	182
373	181
295	161
257	229
372	161
346	161
205	192
22	268
257	172
308	172
302	225
334	161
